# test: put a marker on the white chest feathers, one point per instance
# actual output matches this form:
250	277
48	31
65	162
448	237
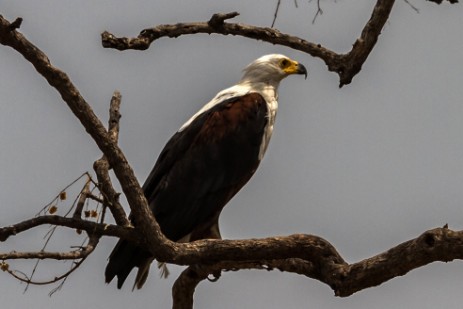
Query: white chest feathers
271	96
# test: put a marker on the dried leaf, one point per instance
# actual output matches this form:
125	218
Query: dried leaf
52	209
62	195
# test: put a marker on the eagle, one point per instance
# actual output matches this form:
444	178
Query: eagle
207	161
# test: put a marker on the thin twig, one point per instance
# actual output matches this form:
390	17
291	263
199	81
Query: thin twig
319	12
412	6
80	255
275	15
45	208
91	227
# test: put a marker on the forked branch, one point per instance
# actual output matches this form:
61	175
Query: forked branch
345	65
82	110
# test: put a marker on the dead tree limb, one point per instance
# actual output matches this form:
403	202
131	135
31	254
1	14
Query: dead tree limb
59	80
148	36
440	244
345	65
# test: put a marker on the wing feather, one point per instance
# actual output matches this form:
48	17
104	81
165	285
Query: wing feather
199	170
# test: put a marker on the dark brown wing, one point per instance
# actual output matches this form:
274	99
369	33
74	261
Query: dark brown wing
199	170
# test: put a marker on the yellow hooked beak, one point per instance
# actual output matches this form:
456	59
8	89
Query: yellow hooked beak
294	67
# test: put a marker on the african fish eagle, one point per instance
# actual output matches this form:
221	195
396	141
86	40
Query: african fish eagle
209	159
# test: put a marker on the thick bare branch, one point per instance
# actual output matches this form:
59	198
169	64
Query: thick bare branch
368	38
345	65
184	287
303	254
308	247
266	34
440	244
59	80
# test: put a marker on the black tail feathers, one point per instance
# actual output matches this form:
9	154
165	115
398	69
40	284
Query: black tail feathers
124	257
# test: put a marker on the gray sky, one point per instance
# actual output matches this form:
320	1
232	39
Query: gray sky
366	167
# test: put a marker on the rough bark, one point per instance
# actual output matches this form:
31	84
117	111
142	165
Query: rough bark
345	65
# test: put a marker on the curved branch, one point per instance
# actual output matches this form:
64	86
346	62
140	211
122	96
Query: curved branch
308	247
440	244
345	65
59	80
367	40
70	255
80	255
148	36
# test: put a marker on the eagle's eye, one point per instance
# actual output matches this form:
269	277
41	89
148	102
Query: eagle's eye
284	63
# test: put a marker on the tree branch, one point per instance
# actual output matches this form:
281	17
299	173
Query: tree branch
101	166
148	36
147	225
440	244
78	224
80	255
345	65
368	38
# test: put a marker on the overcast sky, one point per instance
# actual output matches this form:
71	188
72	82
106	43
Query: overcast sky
366	167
